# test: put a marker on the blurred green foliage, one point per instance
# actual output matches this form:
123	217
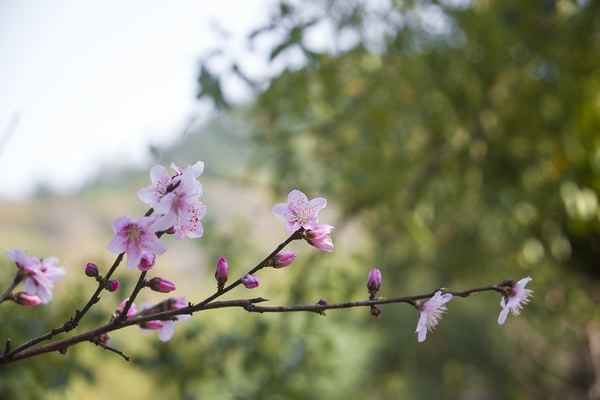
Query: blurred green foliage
460	146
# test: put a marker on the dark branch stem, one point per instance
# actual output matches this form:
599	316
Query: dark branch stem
247	304
18	278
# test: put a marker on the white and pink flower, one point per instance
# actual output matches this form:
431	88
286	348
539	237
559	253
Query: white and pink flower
41	274
430	312
133	237
515	300
299	212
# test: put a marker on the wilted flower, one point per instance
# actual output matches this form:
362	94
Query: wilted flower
430	312
515	300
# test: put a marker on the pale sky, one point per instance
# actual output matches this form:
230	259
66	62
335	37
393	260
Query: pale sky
85	84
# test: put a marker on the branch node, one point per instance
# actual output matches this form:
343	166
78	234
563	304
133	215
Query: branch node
8	346
63	350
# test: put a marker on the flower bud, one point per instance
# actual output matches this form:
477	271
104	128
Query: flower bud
222	272
105	338
111	285
250	281
320	237
374	282
27	299
322	302
161	285
147	261
151	325
283	259
91	270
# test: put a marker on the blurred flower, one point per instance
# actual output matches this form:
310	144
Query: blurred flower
167	329
132	310
430	312
320	237
41	274
283	259
161	285
222	272
132	237
105	338
299	212
515	300
374	281
26	299
91	270
250	281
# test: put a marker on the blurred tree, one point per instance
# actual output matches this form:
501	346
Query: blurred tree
464	139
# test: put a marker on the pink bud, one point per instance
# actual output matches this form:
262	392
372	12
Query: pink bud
320	237
147	261
111	285
161	285
222	272
27	299
152	325
91	270
374	283
283	259
250	281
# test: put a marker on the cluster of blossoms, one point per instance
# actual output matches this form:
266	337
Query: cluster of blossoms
177	209
176	201
39	275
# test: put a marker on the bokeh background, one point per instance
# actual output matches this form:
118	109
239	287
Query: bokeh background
457	144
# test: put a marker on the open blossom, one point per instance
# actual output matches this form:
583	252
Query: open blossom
180	208
515	300
166	329
320	237
299	212
430	312
133	237
161	180
41	274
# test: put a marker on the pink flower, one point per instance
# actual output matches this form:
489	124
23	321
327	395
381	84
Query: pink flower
166	331
222	272
192	228
132	310
41	274
152	325
250	281
181	206
283	259
374	281
299	212
147	261
430	312
320	237
132	237
515	300
161	285
26	299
